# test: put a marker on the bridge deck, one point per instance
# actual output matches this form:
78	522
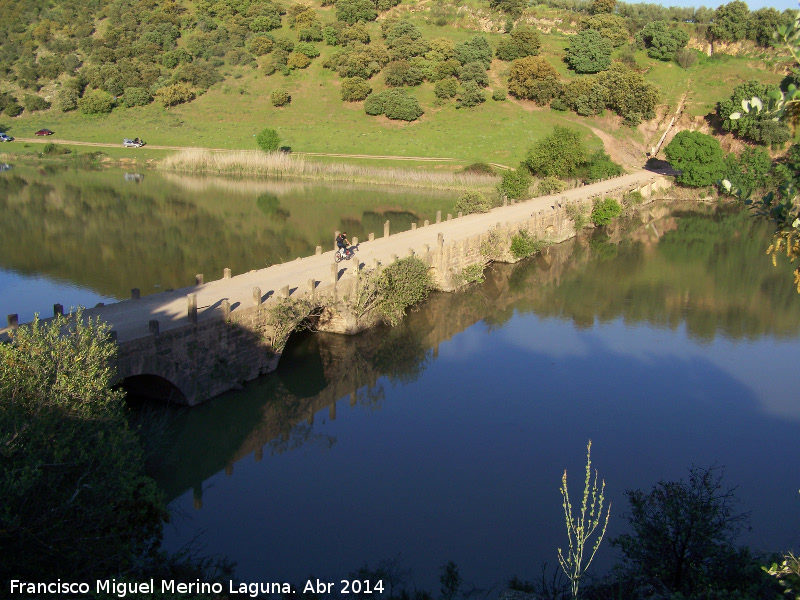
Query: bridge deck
130	318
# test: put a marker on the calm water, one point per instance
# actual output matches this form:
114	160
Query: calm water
445	438
78	237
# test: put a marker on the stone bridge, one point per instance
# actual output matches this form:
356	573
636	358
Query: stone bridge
197	342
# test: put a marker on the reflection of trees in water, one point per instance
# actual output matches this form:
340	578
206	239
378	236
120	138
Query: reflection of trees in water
301	434
271	206
113	238
710	273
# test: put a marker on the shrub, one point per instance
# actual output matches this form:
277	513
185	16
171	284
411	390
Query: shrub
279	98
473	273
515	184
589	52
533	78
698	156
137	96
65	432
633	198
605	211
395	104
67	99
499	95
174	94
402	284
284	44
310	50
268	140
260	45
470	95
480	168
446	88
550	185
355	89
33	103
683	533
96	102
600	166
661	40
557	155
476	49
523	244
474	72
472	202
54	149
577	212
352	11
612	27
686	57
297	60
400	72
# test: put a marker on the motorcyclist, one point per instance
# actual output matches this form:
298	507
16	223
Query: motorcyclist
343	243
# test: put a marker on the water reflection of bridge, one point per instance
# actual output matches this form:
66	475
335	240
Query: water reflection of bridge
276	414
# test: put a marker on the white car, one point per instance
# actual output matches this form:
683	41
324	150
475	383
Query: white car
6	138
134	143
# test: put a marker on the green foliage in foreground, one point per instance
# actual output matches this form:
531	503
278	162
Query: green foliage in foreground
74	499
683	535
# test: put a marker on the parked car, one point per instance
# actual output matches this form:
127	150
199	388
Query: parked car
44	132
134	143
6	138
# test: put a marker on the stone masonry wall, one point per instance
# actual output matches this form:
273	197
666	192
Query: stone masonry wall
214	355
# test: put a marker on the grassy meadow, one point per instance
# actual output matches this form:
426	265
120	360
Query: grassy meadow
232	112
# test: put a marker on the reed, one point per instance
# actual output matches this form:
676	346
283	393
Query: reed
251	163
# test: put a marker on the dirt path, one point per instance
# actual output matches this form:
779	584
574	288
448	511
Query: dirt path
330	154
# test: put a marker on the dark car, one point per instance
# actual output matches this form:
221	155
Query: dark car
44	132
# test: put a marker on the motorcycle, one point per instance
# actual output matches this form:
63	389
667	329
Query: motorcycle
343	254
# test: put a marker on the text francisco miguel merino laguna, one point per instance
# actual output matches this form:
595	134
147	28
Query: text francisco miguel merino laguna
124	588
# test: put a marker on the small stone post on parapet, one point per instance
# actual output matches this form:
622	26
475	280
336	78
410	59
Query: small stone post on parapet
386	229
198	279
334	274
335	235
438	216
371	237
285	291
256	296
226	274
13	321
355	241
226	309
135	295
154	328
318	251
58	309
312	288
192	298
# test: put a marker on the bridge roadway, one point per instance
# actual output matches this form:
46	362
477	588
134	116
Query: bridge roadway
130	318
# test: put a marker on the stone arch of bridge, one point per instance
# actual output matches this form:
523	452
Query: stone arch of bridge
150	386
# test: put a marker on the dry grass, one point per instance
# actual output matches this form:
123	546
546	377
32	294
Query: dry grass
254	163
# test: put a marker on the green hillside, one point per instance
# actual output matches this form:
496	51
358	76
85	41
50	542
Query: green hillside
210	74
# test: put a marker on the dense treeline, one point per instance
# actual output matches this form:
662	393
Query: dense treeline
95	57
